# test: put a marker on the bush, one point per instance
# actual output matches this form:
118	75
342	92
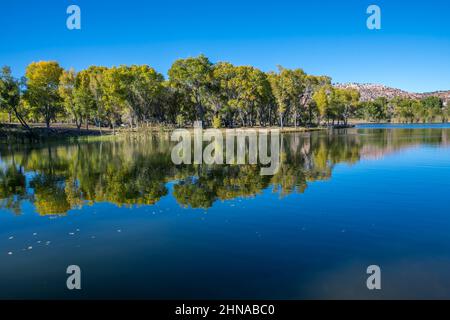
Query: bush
217	122
180	120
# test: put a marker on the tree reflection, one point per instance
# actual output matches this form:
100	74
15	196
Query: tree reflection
135	171
12	188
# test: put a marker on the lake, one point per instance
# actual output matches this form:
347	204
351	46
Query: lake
141	227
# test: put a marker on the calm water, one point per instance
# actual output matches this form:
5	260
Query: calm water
140	227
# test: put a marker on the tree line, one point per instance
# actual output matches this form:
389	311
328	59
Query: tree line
218	94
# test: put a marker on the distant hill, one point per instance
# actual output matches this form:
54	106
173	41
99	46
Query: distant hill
371	91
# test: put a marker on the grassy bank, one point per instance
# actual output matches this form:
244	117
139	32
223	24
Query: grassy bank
15	133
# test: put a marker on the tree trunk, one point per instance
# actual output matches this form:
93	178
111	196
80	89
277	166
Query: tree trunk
281	120
295	119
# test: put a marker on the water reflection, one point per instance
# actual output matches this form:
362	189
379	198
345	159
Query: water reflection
130	171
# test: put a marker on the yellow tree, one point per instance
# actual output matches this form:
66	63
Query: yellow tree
322	98
67	93
42	88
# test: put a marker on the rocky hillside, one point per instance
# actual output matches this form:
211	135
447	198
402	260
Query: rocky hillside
372	91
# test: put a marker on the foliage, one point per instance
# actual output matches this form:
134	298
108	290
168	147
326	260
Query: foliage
42	89
218	94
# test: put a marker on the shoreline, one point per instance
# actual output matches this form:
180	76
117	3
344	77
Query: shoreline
14	132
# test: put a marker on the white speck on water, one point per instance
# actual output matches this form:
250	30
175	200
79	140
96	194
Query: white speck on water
39	241
47	243
30	247
78	230
119	230
10	253
71	233
35	234
10	238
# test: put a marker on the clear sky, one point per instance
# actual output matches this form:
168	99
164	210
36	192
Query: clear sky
411	51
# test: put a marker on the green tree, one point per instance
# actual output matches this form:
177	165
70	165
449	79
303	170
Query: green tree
96	85
404	109
83	97
346	103
288	87
220	93
10	95
42	89
434	108
139	88
376	110
192	77
311	85
251	94
323	99
67	84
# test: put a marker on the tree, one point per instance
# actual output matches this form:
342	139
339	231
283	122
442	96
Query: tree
288	87
376	110
323	100
276	83
419	111
114	103
42	88
434	108
139	88
192	77
251	94
311	85
346	103
96	85
10	95
403	109
83	97
221	93
67	83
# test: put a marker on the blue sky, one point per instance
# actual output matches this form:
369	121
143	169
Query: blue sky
410	52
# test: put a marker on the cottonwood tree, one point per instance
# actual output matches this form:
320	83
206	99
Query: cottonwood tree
288	87
67	83
323	100
42	81
192	76
10	95
251	94
83	97
139	89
